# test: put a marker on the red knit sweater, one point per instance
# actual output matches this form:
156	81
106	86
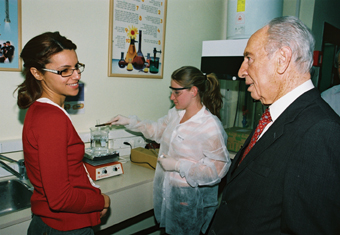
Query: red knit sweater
63	196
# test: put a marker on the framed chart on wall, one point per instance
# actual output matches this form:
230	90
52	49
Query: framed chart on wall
10	35
136	38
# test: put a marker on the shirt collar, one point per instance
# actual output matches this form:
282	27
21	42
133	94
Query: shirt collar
197	117
277	108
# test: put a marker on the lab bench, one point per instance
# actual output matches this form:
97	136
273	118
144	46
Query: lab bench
131	200
130	194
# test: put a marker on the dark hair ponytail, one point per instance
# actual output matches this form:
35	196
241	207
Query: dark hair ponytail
208	86
37	53
212	97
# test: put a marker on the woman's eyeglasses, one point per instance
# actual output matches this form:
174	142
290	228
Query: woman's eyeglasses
67	72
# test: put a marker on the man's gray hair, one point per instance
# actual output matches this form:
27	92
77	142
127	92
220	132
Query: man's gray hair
292	32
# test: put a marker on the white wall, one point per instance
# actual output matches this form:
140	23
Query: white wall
86	22
303	9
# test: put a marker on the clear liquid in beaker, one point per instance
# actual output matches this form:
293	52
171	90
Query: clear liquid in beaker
99	141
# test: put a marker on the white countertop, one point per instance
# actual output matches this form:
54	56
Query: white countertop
130	194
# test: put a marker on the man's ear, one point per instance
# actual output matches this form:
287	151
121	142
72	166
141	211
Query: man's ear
284	59
36	73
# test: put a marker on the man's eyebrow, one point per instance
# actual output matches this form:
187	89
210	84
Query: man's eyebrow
245	54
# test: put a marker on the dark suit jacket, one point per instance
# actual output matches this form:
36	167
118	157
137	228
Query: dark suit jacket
289	183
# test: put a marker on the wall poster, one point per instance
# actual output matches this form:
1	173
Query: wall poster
76	104
10	35
136	38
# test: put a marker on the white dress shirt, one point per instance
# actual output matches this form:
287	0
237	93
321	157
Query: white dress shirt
277	108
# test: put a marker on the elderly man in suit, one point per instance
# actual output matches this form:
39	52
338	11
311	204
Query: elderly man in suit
285	179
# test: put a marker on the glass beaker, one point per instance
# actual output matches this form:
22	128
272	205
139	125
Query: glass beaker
99	141
139	60
121	62
154	64
131	53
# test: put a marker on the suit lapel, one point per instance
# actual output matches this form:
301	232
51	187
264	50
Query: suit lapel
271	135
274	132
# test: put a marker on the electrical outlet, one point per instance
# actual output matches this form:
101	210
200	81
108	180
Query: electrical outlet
117	144
135	142
139	142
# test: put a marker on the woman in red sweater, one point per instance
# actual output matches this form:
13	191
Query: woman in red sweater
65	200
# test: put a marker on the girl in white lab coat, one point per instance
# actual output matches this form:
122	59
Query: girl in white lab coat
193	157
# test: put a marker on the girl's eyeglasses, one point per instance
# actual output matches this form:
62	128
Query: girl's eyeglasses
177	91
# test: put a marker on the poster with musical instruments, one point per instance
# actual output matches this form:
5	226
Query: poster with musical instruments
136	38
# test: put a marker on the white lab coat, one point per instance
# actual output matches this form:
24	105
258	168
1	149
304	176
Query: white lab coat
185	201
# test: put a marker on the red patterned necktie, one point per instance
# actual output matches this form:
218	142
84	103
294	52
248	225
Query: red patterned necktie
265	119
